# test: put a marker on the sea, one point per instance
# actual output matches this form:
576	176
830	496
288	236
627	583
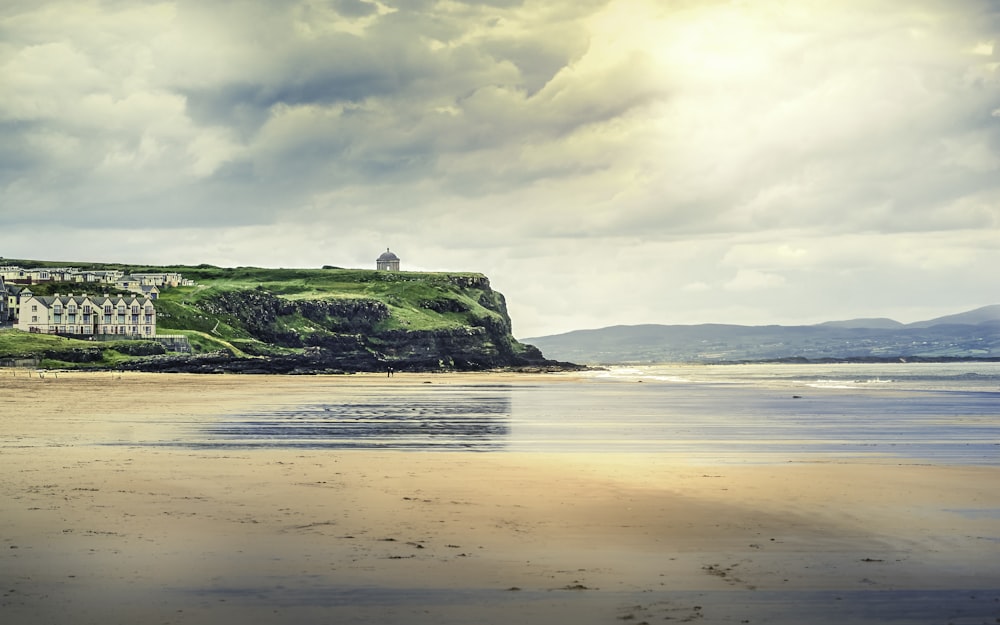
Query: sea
940	413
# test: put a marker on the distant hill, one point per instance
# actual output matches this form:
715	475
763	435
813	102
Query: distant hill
986	314
972	334
880	323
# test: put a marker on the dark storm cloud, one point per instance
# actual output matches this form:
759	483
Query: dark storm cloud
537	61
249	105
354	8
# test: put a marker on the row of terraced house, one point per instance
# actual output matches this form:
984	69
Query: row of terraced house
88	315
18	275
83	315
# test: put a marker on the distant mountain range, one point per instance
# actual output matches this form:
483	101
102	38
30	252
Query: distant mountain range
967	335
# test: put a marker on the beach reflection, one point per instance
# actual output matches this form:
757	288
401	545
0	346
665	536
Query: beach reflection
462	418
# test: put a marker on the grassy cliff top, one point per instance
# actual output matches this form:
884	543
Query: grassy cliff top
416	300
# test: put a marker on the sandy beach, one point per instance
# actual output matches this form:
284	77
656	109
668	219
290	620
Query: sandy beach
99	526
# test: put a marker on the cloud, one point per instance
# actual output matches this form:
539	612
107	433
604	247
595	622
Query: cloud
695	287
355	8
483	100
752	280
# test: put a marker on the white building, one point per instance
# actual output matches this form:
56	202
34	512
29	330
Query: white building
102	276
159	279
11	272
86	315
138	285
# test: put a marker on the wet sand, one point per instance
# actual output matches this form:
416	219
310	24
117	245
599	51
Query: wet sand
98	526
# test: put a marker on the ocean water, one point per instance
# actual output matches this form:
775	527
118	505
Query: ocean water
920	412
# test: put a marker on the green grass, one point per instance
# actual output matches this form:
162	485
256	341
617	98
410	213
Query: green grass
176	311
254	347
14	343
202	342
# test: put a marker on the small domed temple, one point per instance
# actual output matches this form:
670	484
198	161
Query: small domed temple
387	261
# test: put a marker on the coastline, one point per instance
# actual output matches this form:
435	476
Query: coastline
101	527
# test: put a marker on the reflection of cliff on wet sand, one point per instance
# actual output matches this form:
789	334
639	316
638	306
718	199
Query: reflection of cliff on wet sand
451	418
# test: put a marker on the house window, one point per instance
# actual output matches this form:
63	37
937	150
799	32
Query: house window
107	309
34	318
34	308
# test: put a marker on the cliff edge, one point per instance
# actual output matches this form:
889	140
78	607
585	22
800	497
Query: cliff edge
338	320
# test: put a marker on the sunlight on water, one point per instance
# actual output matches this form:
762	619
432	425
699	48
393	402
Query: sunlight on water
969	376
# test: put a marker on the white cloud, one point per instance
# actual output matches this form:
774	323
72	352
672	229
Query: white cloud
753	280
983	48
695	287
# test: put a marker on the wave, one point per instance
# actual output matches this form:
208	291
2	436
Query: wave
845	384
842	376
629	373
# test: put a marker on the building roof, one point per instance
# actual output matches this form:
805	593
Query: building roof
50	300
387	255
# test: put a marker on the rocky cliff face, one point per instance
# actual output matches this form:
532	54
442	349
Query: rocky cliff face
260	312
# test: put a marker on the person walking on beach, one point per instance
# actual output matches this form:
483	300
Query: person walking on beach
388	372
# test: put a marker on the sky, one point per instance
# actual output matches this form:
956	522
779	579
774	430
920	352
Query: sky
603	162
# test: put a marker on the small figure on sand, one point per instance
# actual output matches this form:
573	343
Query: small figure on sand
388	372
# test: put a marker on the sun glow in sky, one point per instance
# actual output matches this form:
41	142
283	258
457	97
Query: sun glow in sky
602	161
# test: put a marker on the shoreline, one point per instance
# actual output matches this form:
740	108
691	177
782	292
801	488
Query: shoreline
130	533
